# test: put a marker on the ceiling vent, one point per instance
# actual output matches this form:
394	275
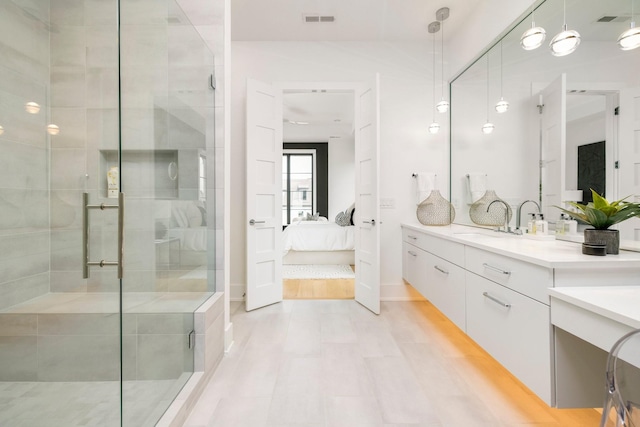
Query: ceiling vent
613	18
310	19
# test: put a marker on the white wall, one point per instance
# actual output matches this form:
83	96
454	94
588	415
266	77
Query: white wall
342	177
406	101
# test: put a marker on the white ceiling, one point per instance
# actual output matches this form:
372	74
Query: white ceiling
355	20
317	116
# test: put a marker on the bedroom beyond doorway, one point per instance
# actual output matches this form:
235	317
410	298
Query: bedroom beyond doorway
302	281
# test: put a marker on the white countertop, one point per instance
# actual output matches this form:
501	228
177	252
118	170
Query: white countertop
550	254
619	303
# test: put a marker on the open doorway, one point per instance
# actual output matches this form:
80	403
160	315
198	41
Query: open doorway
318	199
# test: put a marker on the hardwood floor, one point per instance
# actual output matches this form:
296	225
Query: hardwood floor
334	363
318	288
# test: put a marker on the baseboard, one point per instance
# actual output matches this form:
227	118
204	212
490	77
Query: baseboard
236	291
228	338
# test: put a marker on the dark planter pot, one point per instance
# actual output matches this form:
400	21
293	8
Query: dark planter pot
611	238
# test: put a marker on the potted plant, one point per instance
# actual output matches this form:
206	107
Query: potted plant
602	214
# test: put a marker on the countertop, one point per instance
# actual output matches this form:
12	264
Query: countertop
546	253
619	303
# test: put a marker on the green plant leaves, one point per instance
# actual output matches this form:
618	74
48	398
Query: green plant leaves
602	214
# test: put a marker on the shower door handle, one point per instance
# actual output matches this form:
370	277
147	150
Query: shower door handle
85	235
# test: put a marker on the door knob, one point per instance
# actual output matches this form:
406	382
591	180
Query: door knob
372	222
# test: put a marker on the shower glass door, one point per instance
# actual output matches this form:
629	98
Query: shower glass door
166	100
98	98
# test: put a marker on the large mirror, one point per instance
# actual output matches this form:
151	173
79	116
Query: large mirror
561	132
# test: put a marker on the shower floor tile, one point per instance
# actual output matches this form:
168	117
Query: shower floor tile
76	404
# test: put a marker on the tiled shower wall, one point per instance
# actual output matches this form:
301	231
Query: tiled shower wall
24	194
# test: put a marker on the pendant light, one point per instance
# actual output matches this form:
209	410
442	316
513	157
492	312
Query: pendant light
434	27
502	106
441	15
630	39
488	127
567	41
534	36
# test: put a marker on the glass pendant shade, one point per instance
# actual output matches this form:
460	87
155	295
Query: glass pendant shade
533	38
630	39
1	130
565	42
434	128
502	106
53	129
488	128
442	106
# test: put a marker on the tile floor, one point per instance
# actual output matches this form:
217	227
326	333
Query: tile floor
333	363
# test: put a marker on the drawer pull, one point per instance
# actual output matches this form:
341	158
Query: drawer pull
496	269
496	300
412	253
412	237
440	269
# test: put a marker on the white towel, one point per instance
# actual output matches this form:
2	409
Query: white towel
425	183
477	185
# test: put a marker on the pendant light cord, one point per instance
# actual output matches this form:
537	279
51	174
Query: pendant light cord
500	69
442	57
434	77
487	87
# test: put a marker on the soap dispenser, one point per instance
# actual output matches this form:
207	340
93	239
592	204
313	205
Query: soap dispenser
542	226
570	226
560	224
531	224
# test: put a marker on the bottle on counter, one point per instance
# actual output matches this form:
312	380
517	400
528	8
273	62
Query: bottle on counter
570	226
542	226
560	224
531	224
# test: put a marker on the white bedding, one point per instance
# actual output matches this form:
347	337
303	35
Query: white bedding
193	239
317	236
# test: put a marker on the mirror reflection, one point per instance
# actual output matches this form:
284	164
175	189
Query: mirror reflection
560	132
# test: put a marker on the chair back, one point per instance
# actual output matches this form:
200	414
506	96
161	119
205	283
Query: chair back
622	384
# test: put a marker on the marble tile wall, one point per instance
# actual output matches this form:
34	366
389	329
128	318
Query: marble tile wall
24	165
86	347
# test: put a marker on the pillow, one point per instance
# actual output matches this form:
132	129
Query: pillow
194	216
344	218
203	212
313	217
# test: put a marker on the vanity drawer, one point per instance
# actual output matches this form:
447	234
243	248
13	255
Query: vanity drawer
445	288
514	329
413	266
451	251
528	279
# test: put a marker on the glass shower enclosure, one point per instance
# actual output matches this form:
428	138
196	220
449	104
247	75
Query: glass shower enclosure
106	155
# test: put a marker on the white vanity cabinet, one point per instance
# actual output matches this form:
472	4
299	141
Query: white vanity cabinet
514	329
496	288
438	278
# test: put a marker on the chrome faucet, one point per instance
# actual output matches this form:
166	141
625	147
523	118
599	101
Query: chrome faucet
507	229
519	214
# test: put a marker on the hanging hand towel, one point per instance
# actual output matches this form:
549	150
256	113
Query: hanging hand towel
477	185
425	183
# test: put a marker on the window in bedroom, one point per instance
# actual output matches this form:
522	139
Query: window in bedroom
298	183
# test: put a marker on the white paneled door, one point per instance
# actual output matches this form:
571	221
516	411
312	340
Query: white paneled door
554	136
629	157
264	195
367	213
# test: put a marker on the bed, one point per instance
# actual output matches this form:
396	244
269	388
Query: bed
188	225
318	242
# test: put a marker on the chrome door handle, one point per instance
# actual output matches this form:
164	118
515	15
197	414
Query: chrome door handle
412	253
496	300
412	237
496	269
254	222
372	222
85	235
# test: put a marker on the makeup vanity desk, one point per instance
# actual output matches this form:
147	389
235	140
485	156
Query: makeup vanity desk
538	307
